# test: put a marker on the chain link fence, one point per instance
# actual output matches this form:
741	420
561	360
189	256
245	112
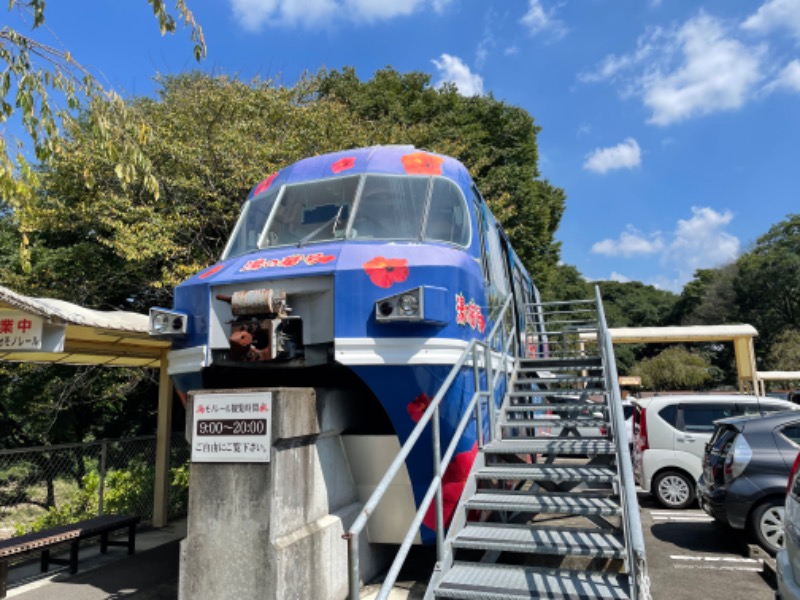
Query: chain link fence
53	485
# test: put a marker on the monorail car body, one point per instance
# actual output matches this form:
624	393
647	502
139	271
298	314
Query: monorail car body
368	270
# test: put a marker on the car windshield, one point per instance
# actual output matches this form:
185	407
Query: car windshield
366	207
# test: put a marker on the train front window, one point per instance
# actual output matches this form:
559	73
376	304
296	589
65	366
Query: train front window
359	207
316	211
390	208
251	224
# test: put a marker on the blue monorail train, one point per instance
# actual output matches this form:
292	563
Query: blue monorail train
367	270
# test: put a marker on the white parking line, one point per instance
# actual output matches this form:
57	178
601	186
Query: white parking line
692	516
717	563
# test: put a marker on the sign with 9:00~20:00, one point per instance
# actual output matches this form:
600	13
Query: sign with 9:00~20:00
232	427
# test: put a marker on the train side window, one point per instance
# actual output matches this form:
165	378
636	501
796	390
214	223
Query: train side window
481	235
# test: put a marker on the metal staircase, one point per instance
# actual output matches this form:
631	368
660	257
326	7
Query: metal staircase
550	510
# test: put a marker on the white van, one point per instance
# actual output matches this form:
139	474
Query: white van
670	434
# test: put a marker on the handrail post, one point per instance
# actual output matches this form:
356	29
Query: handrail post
476	375
353	566
490	390
437	469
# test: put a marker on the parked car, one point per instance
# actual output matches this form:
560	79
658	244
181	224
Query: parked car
670	434
787	561
746	469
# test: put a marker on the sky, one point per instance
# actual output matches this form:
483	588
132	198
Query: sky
671	125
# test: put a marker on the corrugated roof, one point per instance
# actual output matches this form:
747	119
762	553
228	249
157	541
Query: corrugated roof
85	336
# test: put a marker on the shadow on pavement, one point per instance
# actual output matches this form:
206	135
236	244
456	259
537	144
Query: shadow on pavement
147	575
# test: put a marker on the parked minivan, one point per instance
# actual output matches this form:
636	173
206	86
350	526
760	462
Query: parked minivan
670	434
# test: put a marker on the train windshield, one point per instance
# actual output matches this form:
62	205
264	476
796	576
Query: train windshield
362	207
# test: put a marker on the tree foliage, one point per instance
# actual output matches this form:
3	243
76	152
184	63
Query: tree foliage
496	142
675	368
42	87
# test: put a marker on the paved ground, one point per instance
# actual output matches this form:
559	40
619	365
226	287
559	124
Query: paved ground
689	556
692	558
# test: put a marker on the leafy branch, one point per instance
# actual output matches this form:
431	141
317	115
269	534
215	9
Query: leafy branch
42	88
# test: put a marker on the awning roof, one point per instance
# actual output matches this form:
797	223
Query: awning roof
73	335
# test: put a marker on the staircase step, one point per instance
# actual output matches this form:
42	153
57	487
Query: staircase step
558	392
560	541
576	407
560	379
554	473
551	446
554	421
560	364
501	582
556	503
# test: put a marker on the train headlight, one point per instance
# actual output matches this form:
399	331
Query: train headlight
409	304
424	304
167	322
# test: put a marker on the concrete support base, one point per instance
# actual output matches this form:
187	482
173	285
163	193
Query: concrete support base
273	531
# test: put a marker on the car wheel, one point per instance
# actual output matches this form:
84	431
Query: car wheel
766	525
674	489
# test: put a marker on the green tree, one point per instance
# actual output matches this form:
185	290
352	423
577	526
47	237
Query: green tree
563	282
42	86
768	282
674	369
496	142
784	354
709	298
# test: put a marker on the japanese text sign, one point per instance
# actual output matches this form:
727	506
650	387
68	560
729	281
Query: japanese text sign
20	331
232	427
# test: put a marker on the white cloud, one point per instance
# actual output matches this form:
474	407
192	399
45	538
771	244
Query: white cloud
626	155
701	242
253	15
696	69
619	277
788	78
717	73
453	70
775	14
538	20
631	242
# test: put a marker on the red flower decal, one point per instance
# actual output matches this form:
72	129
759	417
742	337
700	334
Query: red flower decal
453	482
211	271
422	163
384	272
264	185
200	409
417	407
343	164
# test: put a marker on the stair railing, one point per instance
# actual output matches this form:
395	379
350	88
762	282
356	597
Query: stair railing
634	538
484	358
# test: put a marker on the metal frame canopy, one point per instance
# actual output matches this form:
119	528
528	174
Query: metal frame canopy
741	336
46	330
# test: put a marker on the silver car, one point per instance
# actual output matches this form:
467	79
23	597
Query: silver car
788	559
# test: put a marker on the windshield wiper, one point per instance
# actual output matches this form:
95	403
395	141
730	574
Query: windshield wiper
334	219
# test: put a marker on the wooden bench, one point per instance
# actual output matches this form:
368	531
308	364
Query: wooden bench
42	541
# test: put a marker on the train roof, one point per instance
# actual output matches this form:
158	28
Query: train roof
398	160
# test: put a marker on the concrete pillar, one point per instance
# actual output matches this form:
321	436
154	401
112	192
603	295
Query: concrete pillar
272	531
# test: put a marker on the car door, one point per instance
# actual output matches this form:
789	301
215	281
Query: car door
694	427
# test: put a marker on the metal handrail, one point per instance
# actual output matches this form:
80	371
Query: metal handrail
440	462
634	538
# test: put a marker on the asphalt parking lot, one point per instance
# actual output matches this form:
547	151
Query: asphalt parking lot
692	558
